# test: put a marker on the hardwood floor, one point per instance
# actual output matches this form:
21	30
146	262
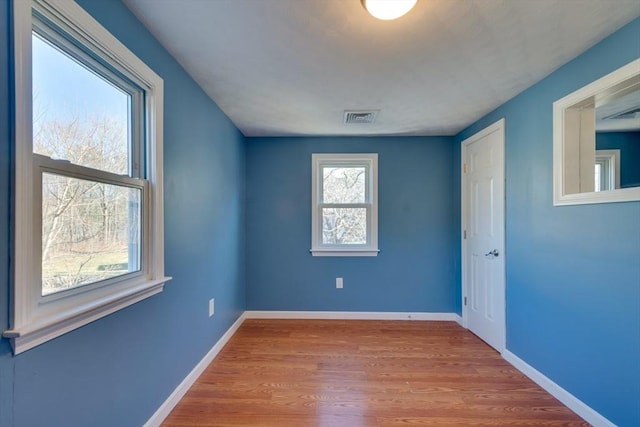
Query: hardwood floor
363	373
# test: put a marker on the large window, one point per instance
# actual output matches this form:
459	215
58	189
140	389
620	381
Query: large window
87	140
88	187
344	211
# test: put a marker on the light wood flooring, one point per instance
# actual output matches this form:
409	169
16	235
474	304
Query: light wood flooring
363	373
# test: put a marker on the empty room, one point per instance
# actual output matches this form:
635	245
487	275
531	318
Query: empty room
291	213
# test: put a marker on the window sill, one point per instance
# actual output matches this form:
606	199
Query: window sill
34	334
344	252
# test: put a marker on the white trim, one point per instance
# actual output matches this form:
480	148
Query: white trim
23	146
32	321
458	319
600	87
344	252
174	398
93	32
35	334
572	402
498	126
613	159
350	315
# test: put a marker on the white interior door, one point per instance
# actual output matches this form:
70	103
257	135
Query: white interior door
483	235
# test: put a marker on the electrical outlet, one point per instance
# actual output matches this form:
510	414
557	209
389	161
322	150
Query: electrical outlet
339	283
211	307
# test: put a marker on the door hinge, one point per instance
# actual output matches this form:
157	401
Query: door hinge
464	168
464	233
465	300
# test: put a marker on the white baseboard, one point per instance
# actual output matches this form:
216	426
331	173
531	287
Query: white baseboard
458	319
351	315
165	409
568	399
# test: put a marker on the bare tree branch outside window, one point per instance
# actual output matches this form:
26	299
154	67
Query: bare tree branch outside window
344	225
90	230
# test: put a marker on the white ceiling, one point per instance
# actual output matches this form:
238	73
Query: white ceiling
291	67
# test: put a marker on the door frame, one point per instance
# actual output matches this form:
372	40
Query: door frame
498	126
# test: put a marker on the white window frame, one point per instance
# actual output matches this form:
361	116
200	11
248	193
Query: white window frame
36	319
370	162
609	161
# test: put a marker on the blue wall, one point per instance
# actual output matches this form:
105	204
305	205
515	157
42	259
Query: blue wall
629	145
573	272
117	371
414	270
6	363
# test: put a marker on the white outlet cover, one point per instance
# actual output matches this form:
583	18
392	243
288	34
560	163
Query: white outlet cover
211	307
339	283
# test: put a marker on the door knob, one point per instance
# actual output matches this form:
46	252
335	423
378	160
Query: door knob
493	252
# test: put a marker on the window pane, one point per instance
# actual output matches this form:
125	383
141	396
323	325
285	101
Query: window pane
77	115
344	226
343	185
90	232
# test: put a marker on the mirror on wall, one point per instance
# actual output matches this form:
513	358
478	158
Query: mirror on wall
597	140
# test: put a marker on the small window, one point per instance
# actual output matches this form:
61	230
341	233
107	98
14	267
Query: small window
607	170
345	207
88	187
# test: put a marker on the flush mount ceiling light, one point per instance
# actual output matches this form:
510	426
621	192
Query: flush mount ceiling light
388	9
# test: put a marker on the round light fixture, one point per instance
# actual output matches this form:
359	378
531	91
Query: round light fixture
388	9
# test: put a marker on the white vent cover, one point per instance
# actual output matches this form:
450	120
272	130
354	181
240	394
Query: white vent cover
360	117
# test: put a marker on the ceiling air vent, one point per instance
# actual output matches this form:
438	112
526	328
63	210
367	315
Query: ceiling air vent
360	117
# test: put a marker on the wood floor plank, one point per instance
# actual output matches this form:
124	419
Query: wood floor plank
461	422
363	373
